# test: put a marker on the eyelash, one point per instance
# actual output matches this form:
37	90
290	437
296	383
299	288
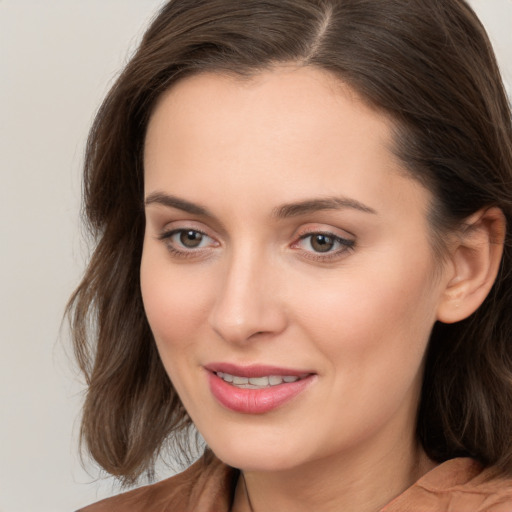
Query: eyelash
345	244
182	253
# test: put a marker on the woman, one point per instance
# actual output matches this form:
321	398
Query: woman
303	211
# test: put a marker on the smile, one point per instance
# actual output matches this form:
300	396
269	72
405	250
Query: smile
256	382
256	389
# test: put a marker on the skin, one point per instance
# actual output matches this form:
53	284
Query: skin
255	290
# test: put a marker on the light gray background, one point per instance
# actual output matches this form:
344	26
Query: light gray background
57	59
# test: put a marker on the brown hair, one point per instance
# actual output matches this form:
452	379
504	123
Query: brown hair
426	63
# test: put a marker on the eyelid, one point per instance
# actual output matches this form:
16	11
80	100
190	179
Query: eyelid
171	232
346	244
170	227
181	251
322	229
338	238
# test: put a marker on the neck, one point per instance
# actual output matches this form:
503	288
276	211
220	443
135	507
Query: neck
348	482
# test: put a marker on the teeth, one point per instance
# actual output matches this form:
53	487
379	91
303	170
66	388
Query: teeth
259	381
256	382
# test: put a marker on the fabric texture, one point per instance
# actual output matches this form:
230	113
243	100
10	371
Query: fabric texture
458	485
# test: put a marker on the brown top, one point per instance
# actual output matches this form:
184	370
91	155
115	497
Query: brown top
458	485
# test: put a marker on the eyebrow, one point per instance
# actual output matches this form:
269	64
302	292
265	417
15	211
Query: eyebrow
176	202
280	212
314	205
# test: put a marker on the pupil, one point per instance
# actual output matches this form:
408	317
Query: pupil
322	243
191	238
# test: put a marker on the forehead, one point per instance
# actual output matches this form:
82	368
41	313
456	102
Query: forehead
283	90
289	130
284	104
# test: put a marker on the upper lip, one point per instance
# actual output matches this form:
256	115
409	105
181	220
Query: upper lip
255	370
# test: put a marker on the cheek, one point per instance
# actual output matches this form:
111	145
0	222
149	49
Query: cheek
378	315
176	306
175	303
372	330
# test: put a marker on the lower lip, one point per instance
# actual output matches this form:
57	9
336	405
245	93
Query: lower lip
255	401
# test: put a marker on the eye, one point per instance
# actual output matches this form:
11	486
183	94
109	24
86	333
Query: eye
190	238
183	241
320	244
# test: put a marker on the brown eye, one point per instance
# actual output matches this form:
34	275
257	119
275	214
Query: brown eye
190	238
188	243
323	246
322	243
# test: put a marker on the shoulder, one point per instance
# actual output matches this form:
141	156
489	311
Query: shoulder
206	485
459	484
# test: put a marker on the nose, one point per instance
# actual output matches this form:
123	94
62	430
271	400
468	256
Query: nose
248	302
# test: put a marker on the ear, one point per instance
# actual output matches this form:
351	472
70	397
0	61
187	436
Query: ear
473	263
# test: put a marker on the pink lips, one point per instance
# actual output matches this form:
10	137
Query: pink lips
255	401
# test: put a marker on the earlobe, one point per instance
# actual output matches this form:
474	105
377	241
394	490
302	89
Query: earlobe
475	261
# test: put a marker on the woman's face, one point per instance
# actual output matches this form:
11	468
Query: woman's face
285	245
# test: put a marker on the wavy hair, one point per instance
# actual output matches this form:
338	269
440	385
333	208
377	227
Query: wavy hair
427	64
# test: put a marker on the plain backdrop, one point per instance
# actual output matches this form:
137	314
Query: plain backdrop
57	60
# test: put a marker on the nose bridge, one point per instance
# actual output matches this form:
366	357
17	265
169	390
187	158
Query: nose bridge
246	303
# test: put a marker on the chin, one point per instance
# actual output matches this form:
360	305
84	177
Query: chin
256	456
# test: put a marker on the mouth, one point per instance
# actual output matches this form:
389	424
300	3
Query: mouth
258	382
256	389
